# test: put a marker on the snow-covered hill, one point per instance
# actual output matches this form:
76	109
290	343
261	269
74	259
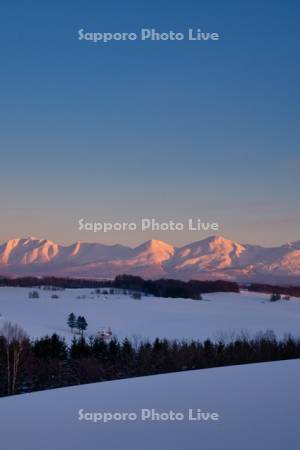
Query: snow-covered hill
258	408
218	315
211	258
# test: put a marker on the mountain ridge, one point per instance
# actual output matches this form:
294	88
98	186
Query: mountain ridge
210	258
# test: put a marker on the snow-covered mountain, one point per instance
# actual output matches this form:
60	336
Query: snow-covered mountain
211	258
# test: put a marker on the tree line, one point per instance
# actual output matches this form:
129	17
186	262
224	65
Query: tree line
157	288
30	365
161	287
292	291
174	288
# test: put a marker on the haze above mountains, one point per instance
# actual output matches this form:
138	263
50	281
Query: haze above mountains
212	258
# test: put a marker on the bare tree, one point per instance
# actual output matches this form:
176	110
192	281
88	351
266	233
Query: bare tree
15	344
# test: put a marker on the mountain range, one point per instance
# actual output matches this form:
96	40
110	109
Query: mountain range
212	258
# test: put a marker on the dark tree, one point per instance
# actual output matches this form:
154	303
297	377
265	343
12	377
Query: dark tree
71	321
79	348
81	324
275	297
50	347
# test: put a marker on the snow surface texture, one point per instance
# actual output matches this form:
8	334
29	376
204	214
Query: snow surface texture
219	315
258	406
211	258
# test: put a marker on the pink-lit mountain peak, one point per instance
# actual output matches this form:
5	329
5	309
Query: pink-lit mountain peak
213	257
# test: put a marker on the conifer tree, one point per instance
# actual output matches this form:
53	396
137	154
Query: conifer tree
81	324
71	321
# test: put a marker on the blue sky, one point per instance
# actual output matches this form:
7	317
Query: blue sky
150	129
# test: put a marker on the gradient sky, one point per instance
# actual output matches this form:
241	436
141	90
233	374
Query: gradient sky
150	129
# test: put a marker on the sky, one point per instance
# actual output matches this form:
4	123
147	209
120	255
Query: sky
172	130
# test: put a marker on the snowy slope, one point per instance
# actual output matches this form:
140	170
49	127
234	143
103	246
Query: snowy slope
258	407
219	315
211	258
